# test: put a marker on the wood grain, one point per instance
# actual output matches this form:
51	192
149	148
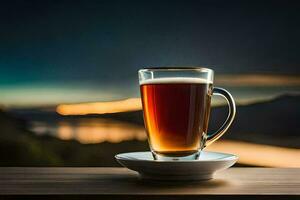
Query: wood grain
116	182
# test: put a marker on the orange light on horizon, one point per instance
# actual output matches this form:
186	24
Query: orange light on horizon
132	104
259	154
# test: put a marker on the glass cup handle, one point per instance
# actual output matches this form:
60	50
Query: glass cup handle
231	113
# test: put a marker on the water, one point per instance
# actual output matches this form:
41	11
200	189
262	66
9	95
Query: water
98	130
90	130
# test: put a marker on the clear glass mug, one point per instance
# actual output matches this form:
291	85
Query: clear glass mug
176	106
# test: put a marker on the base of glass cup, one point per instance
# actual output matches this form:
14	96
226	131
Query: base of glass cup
161	157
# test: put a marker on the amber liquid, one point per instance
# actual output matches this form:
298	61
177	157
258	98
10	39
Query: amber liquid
176	116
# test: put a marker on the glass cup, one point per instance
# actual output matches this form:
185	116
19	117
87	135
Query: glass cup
176	106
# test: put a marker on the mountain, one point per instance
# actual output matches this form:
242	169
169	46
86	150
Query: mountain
274	122
20	147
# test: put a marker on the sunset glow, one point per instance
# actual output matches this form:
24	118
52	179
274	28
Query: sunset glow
259	154
126	105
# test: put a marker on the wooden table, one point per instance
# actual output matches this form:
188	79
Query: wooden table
120	183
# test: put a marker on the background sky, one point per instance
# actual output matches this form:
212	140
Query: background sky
73	51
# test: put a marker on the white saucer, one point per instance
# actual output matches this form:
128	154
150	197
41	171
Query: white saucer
202	169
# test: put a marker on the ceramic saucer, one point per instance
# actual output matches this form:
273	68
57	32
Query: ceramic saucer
201	169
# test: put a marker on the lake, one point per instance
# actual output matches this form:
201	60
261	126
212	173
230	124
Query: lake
90	130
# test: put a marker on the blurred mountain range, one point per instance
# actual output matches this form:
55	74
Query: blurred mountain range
273	122
21	147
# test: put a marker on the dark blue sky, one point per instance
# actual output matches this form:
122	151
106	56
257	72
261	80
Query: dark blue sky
103	43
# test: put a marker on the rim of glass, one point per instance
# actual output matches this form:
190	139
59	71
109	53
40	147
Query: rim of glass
200	69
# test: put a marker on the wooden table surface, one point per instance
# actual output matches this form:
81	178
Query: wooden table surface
120	183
